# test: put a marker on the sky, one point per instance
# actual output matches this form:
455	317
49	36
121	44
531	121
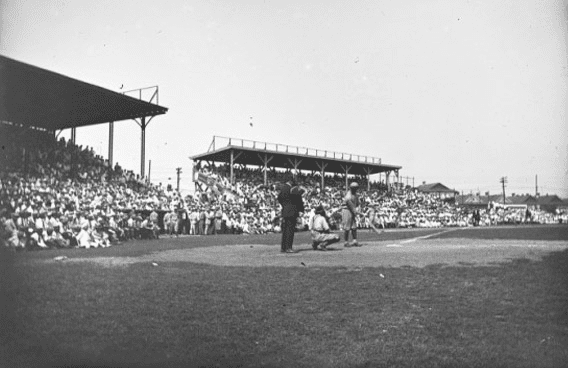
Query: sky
455	91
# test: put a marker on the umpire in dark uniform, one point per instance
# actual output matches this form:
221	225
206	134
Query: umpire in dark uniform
290	198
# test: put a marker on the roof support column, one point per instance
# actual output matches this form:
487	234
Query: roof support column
73	135
397	177
296	163
265	160
368	172
322	167
143	124
346	168
143	147
387	174
234	157
110	143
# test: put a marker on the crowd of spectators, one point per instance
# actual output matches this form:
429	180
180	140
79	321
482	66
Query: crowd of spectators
252	203
55	194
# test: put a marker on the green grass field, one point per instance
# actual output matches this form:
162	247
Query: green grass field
188	313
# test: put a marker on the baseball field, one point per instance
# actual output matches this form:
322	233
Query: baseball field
475	297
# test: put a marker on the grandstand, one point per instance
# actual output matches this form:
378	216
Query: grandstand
54	193
266	155
36	98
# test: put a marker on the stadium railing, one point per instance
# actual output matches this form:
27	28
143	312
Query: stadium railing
221	142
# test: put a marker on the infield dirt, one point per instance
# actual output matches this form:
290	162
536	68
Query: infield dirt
412	253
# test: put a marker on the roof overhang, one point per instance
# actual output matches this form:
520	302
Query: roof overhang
251	156
37	97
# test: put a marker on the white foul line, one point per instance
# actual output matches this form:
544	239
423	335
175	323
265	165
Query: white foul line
424	237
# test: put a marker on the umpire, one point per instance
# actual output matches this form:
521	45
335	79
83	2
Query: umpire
290	198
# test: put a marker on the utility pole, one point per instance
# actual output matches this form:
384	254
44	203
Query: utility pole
503	181
178	171
536	186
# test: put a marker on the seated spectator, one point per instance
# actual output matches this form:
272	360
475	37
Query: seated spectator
148	229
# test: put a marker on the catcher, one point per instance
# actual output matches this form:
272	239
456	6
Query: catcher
320	231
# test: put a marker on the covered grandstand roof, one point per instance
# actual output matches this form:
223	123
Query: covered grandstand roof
435	188
282	155
41	98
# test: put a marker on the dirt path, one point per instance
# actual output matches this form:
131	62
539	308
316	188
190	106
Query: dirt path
416	252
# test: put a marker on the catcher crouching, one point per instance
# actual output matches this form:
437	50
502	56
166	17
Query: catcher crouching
320	231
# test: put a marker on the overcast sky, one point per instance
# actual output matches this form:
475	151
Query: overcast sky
458	92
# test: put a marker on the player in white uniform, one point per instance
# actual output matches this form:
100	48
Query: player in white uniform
320	230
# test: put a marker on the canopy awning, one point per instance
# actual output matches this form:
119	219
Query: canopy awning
32	96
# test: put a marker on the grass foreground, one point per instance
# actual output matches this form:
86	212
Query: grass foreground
187	314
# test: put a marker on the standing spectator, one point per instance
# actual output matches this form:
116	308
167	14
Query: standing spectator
172	227
528	216
229	225
201	224
154	219
166	222
193	218
209	225
183	221
218	221
224	220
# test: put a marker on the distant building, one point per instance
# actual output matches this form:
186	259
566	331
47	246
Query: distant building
437	189
479	201
525	199
547	203
550	203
